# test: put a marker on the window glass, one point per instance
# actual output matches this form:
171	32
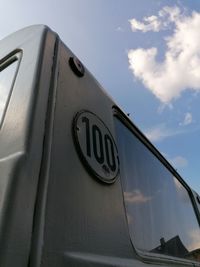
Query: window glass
7	75
160	214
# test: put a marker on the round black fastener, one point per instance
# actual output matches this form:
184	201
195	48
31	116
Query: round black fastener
76	66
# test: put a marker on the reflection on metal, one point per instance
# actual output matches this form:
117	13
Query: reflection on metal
194	255
176	248
136	197
7	74
173	247
156	201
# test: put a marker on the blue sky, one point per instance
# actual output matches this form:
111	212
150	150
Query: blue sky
145	53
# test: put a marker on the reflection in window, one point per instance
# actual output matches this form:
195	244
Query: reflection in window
160	214
7	75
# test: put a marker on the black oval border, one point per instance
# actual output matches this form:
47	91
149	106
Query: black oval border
81	154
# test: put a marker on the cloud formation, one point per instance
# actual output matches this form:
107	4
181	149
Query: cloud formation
180	69
179	162
154	23
161	132
187	119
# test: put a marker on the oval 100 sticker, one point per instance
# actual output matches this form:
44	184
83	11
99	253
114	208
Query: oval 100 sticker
96	146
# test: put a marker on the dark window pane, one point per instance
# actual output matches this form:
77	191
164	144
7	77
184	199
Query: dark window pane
160	214
7	75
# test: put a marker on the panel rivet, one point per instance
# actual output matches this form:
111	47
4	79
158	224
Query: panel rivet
76	66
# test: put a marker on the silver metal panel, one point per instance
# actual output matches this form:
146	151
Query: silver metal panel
21	139
84	222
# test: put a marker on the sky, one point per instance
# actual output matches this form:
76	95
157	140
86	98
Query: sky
145	53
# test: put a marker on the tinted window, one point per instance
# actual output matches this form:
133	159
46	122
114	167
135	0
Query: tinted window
7	75
159	211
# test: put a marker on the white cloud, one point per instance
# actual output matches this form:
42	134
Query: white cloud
163	106
160	132
166	16
169	14
179	162
180	69
150	24
120	29
187	119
